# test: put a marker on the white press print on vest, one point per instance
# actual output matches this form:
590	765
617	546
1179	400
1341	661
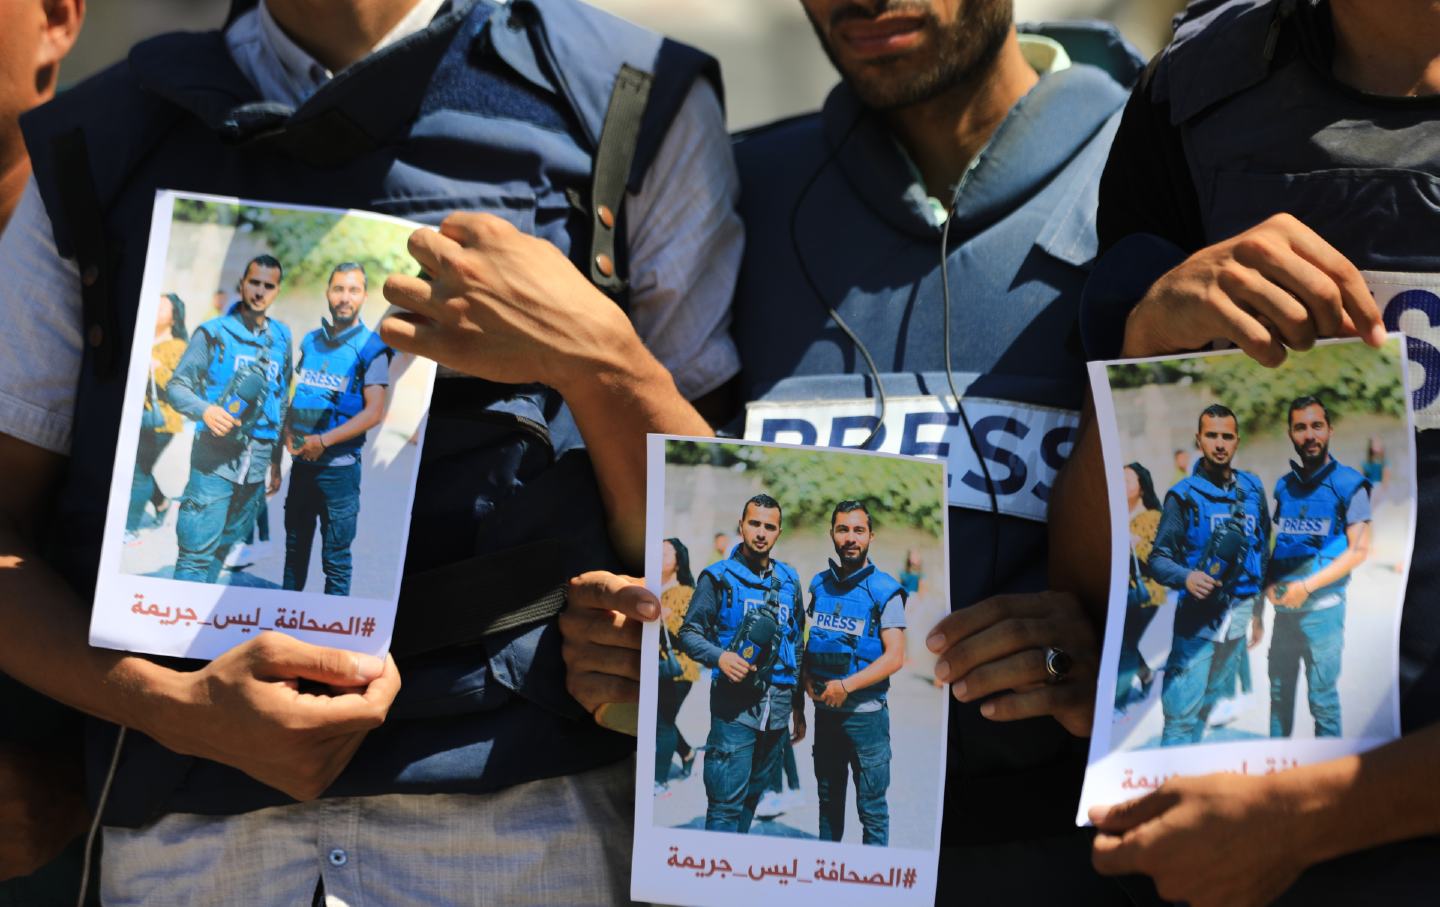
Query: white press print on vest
839	623
1304	526
323	379
1220	519
1024	445
782	610
1411	303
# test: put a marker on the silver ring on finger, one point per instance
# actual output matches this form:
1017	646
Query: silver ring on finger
1058	664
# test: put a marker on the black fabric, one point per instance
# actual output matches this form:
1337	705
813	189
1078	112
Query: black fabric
613	160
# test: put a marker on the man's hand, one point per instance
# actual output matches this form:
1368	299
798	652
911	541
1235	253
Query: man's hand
246	709
42	806
1200	585
310	449
218	421
273	486
996	646
797	720
1274	286
734	667
1295	594
503	306
833	694
1257	630
1212	841
601	630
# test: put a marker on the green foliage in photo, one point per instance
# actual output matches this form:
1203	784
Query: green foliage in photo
809	483
1347	377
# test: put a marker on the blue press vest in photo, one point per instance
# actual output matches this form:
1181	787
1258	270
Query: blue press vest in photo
232	344
844	623
745	590
495	108
1206	505
1362	172
1022	237
1310	524
330	382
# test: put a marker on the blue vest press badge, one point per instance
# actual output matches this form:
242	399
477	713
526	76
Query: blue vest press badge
1411	303
1024	445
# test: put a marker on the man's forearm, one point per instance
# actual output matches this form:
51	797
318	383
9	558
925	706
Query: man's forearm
1358	802
624	396
44	644
1079	543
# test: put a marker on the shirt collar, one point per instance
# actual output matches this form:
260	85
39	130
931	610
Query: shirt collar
283	71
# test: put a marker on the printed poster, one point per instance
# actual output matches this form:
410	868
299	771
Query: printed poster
791	752
269	440
1262	525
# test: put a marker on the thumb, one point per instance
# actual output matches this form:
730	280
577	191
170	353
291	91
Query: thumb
286	658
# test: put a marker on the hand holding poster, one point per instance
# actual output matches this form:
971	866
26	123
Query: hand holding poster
269	442
778	677
1262	523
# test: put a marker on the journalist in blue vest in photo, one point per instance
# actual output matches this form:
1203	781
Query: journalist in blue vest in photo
1211	547
1322	533
232	382
856	641
745	623
340	383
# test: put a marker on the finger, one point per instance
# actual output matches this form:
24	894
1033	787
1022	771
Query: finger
473	229
434	252
968	621
280	657
1125	816
1112	855
1008	673
1275	307
601	660
1287	269
1047	699
604	591
408	333
1356	299
412	294
604	628
995	642
1251	336
592	690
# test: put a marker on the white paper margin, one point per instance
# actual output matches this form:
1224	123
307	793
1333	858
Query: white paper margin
1112	778
651	880
112	625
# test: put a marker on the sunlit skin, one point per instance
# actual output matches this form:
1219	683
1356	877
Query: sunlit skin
258	289
346	296
1310	433
851	536
759	529
1218	439
943	73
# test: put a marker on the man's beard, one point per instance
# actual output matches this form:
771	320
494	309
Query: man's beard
1311	462
963	54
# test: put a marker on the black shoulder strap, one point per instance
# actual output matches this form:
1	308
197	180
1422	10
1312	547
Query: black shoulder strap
613	159
82	209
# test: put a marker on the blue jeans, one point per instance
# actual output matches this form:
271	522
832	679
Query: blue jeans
331	495
1198	673
739	760
1317	638
142	485
215	514
857	742
669	696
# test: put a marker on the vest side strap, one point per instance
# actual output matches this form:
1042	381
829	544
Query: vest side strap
613	160
81	204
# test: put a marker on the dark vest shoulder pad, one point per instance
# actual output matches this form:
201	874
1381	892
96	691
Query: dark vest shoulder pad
120	123
1219	50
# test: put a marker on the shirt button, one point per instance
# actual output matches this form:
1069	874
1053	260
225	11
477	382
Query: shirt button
338	857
